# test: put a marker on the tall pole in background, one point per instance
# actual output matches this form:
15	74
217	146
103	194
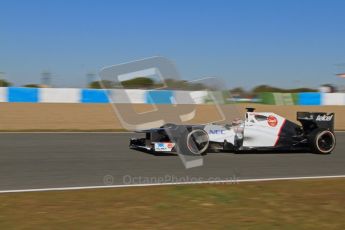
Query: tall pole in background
341	74
46	78
90	77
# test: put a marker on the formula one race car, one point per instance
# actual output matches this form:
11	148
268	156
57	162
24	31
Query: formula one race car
260	131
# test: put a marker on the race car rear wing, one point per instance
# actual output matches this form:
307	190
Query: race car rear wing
312	120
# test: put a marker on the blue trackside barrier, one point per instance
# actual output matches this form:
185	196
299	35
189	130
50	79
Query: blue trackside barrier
94	96
309	98
159	96
17	94
75	95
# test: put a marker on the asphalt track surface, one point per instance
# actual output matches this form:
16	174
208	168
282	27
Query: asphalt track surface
48	160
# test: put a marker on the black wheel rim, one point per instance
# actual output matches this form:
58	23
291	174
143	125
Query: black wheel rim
197	142
326	142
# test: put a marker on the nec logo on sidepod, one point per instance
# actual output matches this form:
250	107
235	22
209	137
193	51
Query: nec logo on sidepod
217	132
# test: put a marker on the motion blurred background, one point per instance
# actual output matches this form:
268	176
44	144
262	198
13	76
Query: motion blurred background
255	46
287	53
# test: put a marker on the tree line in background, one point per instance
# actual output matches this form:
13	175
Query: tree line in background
148	83
240	92
4	83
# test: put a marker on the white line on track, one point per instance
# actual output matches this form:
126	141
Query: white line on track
178	183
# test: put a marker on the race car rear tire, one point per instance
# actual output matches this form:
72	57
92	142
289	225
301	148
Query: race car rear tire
322	141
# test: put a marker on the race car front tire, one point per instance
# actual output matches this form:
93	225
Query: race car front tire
194	142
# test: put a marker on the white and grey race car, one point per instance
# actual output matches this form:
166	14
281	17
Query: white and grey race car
259	131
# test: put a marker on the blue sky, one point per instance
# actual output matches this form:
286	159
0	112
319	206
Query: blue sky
289	43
